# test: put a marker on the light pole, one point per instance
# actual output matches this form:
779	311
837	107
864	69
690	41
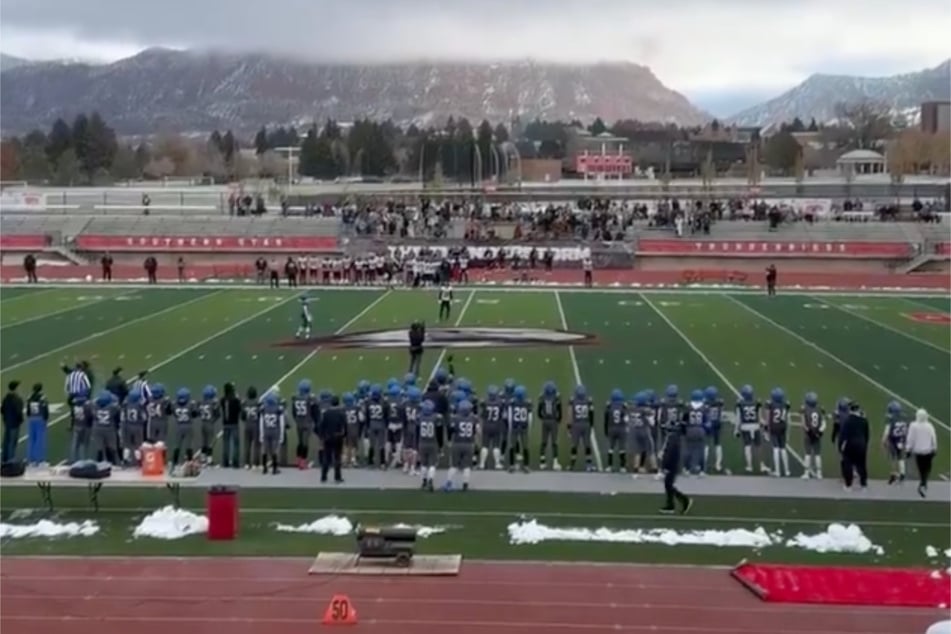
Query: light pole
290	151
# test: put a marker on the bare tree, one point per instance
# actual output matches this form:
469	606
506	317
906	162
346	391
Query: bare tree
867	121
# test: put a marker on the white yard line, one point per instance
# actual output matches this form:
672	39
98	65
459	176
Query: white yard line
574	366
844	364
340	330
194	346
56	312
457	323
710	363
857	314
109	331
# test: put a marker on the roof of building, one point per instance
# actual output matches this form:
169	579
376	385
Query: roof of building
858	156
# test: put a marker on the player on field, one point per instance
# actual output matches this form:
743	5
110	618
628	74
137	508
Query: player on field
695	433
615	430
642	419
394	424
80	424
893	439
445	302
777	425
410	417
306	320
160	409
376	418
304	410
428	443
714	426
519	423
354	415
250	413
494	417
184	412
549	414
209	413
749	428
135	417
581	425
271	425
814	425
464	430
105	418
670	414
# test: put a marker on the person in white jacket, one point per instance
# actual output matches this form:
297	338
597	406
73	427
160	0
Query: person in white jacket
922	444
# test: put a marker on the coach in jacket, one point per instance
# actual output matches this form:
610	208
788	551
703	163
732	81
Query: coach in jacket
331	429
853	446
12	414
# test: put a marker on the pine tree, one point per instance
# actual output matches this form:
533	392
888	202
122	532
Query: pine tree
261	143
60	139
100	147
597	127
309	154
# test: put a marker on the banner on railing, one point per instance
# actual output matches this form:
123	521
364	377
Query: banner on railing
753	248
22	242
288	244
20	201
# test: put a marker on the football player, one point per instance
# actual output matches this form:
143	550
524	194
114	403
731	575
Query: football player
428	443
134	420
105	415
184	412
159	408
80	425
304	410
306	320
410	418
549	416
893	439
749	428
519	423
209	413
714	426
464	430
394	425
670	414
354	414
375	414
581	426
445	302
814	425
493	428
777	426
615	429
250	411
271	425
642	419
695	433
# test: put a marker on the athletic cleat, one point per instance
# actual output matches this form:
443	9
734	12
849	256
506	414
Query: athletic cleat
667	510
687	506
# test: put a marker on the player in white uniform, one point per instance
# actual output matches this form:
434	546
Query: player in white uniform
305	319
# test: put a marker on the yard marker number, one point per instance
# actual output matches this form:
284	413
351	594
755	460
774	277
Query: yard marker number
340	611
486	301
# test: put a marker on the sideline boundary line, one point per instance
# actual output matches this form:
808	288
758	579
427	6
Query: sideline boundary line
61	311
910	292
875	322
514	515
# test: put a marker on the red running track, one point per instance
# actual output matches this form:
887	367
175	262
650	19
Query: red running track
267	596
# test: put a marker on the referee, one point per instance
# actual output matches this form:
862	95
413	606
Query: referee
78	380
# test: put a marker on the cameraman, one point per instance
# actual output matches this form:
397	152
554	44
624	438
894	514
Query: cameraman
417	335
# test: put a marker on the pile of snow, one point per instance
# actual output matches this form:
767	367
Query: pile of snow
46	528
933	553
171	523
423	531
330	525
532	532
340	526
836	539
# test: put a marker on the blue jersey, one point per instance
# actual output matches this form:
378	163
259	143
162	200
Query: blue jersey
747	415
896	431
813	421
582	411
376	415
183	413
777	417
493	415
714	414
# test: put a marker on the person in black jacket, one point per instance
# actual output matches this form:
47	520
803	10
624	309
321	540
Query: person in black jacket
230	434
853	441
11	412
332	429
417	335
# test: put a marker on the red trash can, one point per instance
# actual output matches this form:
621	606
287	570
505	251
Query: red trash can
222	505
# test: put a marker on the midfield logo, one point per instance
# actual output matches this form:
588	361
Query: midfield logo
454	338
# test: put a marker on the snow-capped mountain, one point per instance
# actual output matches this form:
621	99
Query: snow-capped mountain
818	96
161	89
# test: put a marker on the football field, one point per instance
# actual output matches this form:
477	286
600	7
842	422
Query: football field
871	348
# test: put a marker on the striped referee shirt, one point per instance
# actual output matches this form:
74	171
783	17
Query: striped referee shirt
77	382
143	386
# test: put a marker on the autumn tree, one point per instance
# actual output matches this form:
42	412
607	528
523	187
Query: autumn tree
868	122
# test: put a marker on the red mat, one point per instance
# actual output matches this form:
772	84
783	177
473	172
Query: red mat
905	587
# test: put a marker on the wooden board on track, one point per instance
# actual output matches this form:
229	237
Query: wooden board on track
351	564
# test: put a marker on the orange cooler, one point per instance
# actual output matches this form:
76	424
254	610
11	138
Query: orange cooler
153	460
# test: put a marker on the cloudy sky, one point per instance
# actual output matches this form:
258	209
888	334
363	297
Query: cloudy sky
718	52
